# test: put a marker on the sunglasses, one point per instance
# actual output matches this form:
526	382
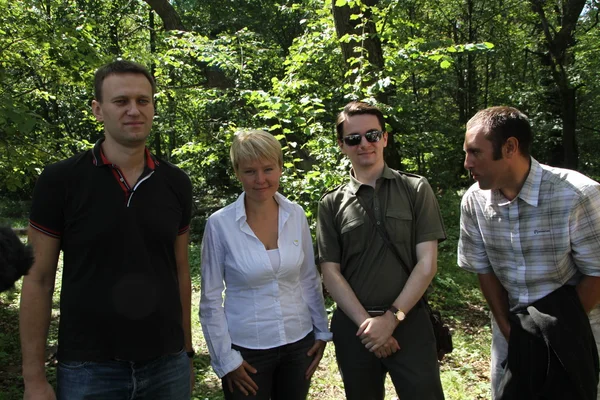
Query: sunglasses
355	138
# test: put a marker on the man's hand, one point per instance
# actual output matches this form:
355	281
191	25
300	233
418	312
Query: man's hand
375	332
240	378
588	290
505	330
39	391
389	348
315	351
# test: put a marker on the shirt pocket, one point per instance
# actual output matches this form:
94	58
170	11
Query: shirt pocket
399	224
353	235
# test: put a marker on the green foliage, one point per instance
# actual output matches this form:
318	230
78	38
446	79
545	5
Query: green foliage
48	53
440	62
13	213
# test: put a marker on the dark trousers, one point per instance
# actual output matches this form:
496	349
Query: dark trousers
414	369
280	371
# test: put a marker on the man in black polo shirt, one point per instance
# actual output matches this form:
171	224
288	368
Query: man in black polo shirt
380	325
121	218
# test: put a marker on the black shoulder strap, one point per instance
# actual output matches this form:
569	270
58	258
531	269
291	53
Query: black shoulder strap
381	229
382	232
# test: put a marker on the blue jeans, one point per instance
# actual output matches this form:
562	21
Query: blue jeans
166	377
280	371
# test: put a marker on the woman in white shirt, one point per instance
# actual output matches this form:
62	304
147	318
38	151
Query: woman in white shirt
268	335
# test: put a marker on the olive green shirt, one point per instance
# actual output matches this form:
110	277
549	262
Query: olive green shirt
345	234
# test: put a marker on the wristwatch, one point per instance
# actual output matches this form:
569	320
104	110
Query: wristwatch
399	314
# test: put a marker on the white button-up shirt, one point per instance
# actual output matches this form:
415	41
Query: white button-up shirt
262	309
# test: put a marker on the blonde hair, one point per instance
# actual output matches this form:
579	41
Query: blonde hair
253	145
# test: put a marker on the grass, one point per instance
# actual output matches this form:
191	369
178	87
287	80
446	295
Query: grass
464	372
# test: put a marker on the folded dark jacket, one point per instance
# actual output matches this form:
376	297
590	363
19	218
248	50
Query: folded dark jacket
551	351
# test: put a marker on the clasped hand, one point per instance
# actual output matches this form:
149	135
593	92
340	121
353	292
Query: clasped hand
376	334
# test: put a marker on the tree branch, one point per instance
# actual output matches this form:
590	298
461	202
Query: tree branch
589	128
170	17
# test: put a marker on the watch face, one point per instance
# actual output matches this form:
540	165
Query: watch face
400	316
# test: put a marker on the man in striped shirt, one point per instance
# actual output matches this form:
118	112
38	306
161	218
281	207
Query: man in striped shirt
526	228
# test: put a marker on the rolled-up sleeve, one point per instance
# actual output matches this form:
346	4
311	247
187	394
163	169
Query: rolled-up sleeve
212	315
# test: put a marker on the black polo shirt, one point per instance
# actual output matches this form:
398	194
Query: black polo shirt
120	292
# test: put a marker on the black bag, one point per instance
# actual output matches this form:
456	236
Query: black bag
443	336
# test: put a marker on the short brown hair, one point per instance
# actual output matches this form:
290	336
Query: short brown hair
119	67
253	145
501	123
357	108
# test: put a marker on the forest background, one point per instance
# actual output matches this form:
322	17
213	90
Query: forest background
289	67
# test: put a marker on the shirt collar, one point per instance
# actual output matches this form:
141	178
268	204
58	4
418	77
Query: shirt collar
354	184
530	191
100	160
240	209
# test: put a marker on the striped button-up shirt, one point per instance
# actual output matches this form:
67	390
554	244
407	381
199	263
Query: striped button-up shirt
547	236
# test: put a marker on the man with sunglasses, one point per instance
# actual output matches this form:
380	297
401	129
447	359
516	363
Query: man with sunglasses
380	324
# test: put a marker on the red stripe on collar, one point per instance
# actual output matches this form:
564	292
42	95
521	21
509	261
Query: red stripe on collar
151	162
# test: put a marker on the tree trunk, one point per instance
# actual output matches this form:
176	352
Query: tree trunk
166	12
156	132
558	40
371	46
569	117
115	47
344	25
472	79
215	78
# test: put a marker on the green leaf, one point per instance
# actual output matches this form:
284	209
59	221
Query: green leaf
445	64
